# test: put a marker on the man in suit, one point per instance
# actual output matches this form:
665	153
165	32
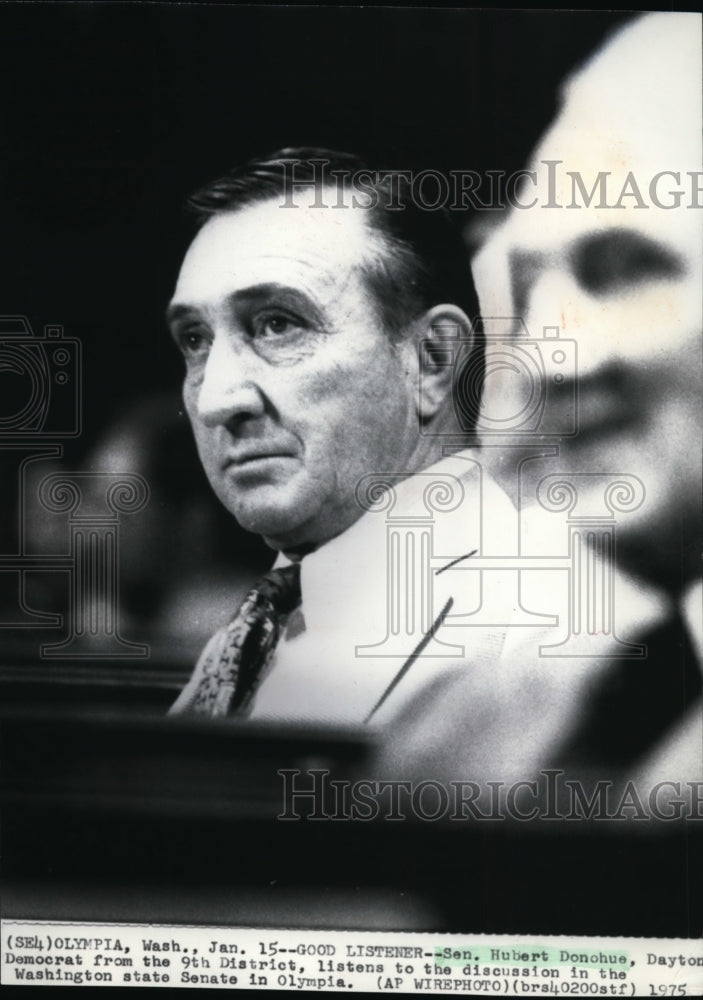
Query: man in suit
609	250
318	321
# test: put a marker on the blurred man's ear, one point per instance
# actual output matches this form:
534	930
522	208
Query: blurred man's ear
442	330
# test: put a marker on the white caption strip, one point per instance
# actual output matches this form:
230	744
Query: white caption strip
50	953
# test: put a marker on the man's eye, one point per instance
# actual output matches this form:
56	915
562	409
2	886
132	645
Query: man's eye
193	343
275	325
620	260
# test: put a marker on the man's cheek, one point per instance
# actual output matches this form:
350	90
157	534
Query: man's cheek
206	450
190	401
332	379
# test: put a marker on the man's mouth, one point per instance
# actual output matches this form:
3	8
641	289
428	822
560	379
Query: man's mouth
605	407
249	457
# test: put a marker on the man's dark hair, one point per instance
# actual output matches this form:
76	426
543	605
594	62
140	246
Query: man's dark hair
425	260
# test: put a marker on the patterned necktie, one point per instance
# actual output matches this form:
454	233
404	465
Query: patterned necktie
233	660
637	701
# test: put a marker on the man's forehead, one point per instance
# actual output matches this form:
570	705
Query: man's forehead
632	113
643	87
635	107
276	242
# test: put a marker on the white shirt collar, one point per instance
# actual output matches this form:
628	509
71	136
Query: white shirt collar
349	563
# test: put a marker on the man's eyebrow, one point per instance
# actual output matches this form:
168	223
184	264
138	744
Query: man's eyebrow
176	311
265	290
245	296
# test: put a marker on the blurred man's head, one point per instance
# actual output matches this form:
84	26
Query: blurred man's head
300	311
618	268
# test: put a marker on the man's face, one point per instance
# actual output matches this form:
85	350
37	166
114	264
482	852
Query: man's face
293	387
625	283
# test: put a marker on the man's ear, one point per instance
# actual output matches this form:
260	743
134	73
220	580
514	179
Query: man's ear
443	330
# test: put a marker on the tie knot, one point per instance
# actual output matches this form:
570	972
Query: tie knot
282	587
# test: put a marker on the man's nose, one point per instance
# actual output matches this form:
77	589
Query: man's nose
229	389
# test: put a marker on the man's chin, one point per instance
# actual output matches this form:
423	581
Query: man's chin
279	526
292	526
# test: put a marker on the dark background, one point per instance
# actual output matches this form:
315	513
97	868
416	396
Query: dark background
112	114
